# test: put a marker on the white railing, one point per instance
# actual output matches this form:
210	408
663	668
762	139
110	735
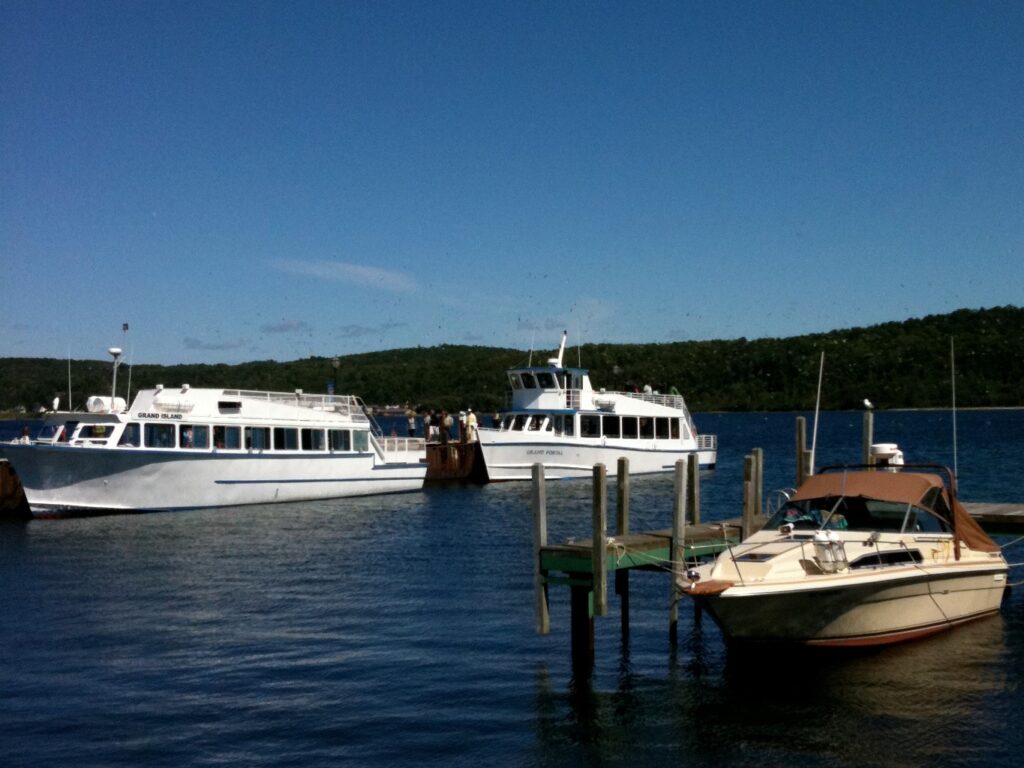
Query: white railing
349	405
672	401
707	442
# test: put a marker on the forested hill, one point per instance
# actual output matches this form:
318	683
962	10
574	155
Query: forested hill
896	365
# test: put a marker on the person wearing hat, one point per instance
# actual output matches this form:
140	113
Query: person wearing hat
471	426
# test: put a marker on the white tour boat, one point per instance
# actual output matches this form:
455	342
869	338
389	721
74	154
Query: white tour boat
857	557
191	448
559	420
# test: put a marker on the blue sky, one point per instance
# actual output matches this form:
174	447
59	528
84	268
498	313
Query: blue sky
250	180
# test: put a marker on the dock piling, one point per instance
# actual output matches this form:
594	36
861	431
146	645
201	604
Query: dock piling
540	540
622	529
678	560
600	540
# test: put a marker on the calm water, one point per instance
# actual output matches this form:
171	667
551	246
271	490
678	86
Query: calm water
399	631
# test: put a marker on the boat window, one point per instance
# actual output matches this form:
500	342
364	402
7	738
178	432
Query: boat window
286	438
536	422
130	437
257	438
341	440
681	426
528	381
545	381
661	428
629	427
159	435
361	440
516	381
560	378
95	433
853	513
921	521
610	426
227	437
646	428
520	423
313	440
674	426
935	500
882	559
570	425
230	405
50	431
194	436
590	426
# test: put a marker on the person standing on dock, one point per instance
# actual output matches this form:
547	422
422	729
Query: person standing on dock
471	427
410	414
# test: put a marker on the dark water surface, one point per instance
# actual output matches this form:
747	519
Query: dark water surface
398	630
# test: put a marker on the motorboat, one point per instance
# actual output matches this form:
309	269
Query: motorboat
558	419
857	556
189	448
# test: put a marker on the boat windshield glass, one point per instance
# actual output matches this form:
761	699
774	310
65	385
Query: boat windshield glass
546	381
528	381
856	514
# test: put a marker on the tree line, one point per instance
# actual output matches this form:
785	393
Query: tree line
897	365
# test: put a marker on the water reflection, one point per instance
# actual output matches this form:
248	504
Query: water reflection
905	705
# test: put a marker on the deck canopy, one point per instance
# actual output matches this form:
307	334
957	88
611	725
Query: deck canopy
919	489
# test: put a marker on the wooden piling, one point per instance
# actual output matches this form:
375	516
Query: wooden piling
540	540
622	529
600	543
693	488
801	450
758	454
678	560
869	435
749	497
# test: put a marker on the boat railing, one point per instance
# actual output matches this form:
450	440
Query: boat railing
671	401
707	442
348	405
403	444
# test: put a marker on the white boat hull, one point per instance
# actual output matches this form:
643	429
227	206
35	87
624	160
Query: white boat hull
509	459
62	478
858	611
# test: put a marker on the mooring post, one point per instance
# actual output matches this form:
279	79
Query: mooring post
758	482
693	486
622	529
801	449
599	562
869	435
749	496
678	548
540	540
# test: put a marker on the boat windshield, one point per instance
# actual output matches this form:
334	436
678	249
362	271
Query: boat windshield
856	513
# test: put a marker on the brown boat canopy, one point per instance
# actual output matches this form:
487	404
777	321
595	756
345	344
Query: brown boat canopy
914	488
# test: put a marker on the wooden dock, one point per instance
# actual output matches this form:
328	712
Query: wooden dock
584	564
455	463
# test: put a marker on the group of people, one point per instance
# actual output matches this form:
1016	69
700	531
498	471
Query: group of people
437	427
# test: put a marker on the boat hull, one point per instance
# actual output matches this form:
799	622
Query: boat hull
909	605
513	460
59	479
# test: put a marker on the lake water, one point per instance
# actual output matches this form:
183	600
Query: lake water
398	630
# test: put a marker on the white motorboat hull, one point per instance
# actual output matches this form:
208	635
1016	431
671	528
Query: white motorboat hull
858	610
62	478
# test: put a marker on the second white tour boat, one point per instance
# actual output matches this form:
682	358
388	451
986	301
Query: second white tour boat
558	419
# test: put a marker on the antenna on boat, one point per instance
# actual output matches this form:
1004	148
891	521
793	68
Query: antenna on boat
533	340
131	356
557	361
817	408
70	404
114	352
952	377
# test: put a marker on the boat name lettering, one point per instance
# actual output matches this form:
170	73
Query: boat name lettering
160	416
542	452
